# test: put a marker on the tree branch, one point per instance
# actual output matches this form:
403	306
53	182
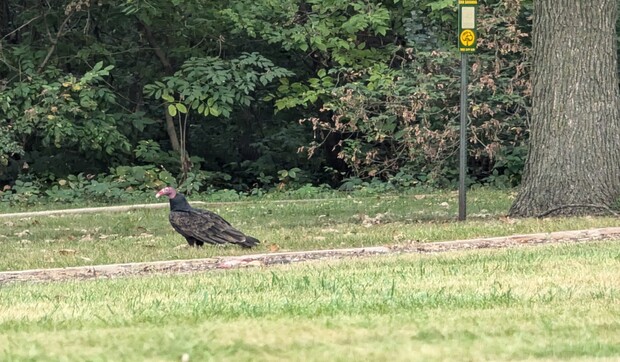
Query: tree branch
163	59
20	27
54	42
172	132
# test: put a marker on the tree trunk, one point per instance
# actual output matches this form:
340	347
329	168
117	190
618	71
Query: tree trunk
573	166
165	62
172	133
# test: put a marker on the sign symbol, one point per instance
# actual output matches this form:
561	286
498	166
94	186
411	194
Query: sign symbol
467	37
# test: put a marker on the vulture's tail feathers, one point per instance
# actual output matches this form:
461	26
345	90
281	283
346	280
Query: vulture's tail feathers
249	242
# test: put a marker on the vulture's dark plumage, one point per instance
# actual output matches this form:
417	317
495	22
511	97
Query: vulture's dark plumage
202	226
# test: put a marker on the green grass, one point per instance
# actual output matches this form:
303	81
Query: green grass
59	241
550	303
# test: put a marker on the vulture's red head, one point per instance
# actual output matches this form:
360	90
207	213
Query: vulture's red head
168	191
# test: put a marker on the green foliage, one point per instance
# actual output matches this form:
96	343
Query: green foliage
50	110
331	31
395	117
124	183
25	192
287	175
8	147
212	86
508	169
147	151
88	86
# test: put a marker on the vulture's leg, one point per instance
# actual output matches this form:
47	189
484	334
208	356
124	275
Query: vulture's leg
190	241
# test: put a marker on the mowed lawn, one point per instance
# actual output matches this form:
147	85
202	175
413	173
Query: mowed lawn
146	235
555	302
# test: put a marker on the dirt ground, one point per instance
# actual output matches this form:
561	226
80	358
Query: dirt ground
269	259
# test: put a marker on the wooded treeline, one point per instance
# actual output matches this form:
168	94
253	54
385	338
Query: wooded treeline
259	93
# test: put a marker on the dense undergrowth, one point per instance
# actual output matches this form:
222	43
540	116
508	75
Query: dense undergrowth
139	183
255	96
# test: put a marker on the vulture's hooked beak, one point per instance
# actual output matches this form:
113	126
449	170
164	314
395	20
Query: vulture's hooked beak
161	192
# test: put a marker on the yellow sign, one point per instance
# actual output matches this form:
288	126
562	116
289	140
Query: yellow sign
467	37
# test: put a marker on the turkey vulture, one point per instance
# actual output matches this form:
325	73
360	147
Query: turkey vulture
202	226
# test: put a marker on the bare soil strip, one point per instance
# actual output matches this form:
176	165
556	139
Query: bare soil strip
89	210
264	260
161	205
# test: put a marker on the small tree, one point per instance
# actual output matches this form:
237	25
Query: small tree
212	87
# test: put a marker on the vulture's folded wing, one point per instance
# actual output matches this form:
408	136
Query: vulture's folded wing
205	226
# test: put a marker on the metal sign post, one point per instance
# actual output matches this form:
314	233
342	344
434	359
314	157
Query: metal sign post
468	37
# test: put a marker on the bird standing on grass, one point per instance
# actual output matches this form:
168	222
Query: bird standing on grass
202	226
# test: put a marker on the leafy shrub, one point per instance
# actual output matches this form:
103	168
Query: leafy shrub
54	114
403	113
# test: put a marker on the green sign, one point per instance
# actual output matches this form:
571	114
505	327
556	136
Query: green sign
468	36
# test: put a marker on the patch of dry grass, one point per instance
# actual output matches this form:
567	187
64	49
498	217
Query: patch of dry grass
145	235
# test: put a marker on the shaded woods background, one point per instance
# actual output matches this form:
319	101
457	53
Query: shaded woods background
112	96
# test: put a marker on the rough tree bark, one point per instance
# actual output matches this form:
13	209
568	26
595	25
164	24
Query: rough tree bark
573	164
